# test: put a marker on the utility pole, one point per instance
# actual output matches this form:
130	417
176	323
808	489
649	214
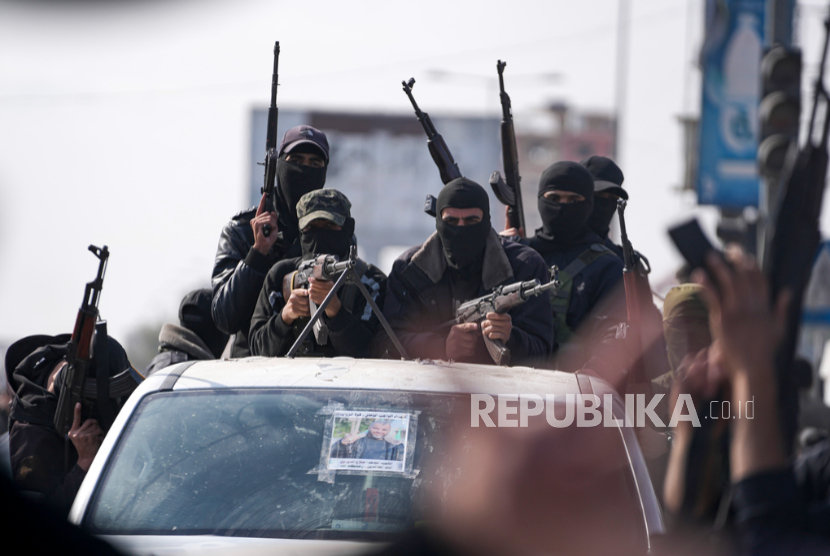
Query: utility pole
621	78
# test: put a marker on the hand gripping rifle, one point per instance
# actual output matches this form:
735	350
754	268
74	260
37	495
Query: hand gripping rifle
438	149
509	191
327	268
271	155
501	300
79	354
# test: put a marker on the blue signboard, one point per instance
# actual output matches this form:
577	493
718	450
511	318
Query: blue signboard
731	56
817	299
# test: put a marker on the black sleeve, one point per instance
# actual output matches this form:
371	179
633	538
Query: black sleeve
771	516
406	319
605	308
238	273
609	295
531	340
352	329
38	465
269	335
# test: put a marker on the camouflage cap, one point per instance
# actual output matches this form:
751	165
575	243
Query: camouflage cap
685	300
328	204
685	322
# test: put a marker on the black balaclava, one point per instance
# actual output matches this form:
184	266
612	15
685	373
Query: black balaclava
463	245
607	178
195	315
320	241
294	181
600	220
564	222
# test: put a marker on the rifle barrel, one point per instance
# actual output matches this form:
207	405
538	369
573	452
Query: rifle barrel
273	111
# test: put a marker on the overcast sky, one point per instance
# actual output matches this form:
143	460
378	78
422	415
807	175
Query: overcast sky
127	124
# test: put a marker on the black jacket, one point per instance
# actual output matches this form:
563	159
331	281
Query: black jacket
594	283
39	464
420	300
238	274
350	331
177	344
617	249
597	300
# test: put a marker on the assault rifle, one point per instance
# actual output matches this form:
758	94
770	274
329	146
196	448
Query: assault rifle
645	364
501	300
795	237
438	149
508	192
788	260
349	271
79	354
271	154
325	268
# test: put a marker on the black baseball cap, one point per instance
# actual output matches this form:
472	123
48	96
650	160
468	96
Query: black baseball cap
304	135
607	175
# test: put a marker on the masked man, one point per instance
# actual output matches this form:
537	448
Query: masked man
47	465
245	253
608	180
326	228
465	259
195	338
588	270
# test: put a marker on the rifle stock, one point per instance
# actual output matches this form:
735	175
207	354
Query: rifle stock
508	190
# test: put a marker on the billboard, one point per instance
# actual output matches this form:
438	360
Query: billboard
731	89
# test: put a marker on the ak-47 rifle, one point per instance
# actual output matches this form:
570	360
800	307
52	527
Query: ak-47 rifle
509	191
501	300
271	155
325	268
795	238
635	281
348	271
438	149
79	354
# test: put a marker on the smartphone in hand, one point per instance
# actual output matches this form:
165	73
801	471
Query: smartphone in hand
694	245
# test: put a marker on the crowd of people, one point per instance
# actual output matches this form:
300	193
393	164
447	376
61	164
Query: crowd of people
717	339
254	300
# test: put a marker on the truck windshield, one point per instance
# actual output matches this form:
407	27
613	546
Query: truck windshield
271	463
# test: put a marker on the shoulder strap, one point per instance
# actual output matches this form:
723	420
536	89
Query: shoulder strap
594	252
561	297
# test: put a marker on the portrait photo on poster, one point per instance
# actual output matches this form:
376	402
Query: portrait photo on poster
368	441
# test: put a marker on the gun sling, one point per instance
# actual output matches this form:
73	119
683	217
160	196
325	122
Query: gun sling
561	298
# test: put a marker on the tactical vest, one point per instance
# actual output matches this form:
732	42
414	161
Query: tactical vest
561	298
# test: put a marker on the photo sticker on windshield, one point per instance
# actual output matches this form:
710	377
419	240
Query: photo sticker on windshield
368	441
